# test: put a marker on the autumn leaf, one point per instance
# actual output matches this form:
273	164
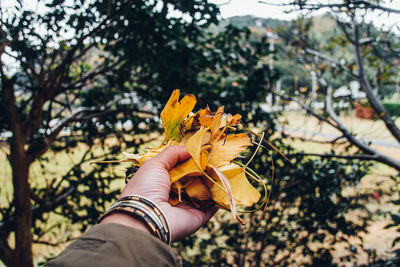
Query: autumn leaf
228	190
242	191
174	113
189	168
142	157
195	144
198	189
227	149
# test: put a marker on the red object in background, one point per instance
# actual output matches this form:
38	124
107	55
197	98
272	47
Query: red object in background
376	195
364	112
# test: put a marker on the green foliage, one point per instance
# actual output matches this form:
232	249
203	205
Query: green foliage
97	73
365	103
392	108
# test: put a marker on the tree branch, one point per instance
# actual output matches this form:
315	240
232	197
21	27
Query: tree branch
23	63
377	156
52	87
332	60
379	7
347	134
8	225
307	109
69	58
98	71
351	5
47	140
367	88
6	253
333	141
344	30
76	117
357	156
11	106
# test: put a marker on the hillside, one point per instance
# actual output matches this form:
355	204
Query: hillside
249	21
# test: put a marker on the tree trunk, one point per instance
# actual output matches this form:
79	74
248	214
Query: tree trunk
23	214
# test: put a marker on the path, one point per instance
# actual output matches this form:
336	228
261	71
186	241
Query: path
305	133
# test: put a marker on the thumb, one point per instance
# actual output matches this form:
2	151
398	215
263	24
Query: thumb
170	157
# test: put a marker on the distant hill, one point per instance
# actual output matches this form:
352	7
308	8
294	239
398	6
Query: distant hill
321	24
248	21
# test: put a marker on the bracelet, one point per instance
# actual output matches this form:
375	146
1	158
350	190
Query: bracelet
148	215
146	210
155	208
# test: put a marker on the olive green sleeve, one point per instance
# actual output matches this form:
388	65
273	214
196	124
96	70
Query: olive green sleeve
116	245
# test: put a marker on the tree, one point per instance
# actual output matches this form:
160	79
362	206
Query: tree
356	51
74	74
90	77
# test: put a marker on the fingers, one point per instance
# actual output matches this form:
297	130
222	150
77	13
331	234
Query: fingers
152	179
170	156
185	219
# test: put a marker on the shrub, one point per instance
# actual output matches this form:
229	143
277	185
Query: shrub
392	108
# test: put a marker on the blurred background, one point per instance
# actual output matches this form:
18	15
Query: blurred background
83	81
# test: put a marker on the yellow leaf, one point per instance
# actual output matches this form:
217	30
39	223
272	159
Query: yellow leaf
217	119
202	117
231	120
188	168
223	180
196	142
175	112
142	157
198	190
205	117
243	192
173	199
227	149
186	137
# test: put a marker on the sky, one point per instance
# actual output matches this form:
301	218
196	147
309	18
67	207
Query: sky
229	8
251	7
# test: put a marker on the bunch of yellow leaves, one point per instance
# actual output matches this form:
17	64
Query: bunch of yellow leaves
209	177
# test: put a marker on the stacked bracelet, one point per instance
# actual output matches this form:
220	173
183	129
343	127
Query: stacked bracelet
146	210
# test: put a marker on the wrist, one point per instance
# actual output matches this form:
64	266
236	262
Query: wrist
143	213
127	220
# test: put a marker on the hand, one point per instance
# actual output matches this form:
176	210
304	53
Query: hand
152	181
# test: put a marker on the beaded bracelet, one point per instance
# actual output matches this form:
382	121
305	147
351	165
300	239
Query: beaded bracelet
144	209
